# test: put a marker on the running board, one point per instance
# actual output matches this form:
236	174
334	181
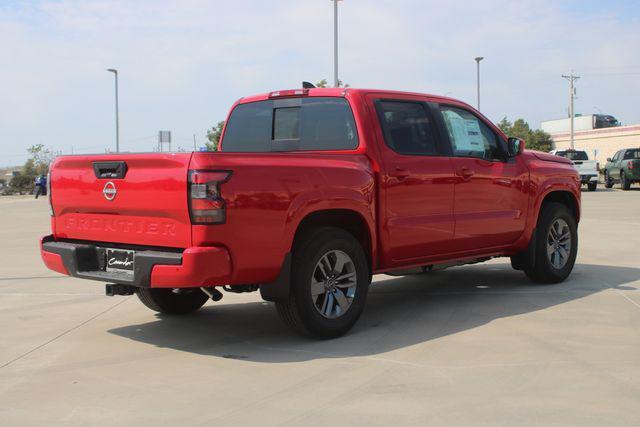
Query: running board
436	267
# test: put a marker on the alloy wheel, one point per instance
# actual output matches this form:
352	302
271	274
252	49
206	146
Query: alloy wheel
559	243
333	284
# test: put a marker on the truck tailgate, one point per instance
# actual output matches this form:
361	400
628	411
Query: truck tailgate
146	206
586	166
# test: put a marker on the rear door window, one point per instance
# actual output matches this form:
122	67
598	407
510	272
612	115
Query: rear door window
407	127
294	124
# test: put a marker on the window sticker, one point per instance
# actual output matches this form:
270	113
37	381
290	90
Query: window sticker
465	133
474	136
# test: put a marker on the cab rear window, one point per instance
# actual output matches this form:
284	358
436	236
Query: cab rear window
573	155
294	124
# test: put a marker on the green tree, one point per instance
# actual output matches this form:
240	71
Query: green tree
30	168
41	157
36	164
534	139
21	184
213	135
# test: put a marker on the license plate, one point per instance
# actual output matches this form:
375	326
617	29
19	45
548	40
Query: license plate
120	260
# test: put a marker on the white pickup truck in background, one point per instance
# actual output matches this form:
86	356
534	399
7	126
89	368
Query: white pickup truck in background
588	169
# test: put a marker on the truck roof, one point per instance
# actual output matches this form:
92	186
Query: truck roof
338	92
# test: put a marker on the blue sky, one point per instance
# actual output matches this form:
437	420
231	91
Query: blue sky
183	63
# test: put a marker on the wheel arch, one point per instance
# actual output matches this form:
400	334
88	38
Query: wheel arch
347	219
564	197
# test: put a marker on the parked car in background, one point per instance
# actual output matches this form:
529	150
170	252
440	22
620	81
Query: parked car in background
313	192
623	167
587	169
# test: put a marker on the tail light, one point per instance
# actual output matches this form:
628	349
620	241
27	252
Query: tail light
630	165
206	205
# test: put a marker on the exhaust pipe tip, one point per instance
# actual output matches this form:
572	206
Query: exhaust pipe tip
212	293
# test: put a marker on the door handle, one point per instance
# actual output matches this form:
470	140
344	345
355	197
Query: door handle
399	173
465	172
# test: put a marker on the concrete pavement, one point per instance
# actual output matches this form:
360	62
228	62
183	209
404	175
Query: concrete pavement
471	345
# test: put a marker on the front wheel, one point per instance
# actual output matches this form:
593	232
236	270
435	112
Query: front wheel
556	245
592	186
608	182
329	283
170	301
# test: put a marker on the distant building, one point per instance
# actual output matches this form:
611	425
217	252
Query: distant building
8	173
599	143
580	122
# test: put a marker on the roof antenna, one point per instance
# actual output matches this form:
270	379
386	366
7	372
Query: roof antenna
307	85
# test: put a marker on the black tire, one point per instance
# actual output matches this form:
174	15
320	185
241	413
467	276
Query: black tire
608	182
299	311
168	302
624	182
543	271
592	186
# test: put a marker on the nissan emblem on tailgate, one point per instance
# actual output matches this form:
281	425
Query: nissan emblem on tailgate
109	191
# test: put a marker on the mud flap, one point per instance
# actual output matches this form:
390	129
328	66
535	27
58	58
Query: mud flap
527	258
278	290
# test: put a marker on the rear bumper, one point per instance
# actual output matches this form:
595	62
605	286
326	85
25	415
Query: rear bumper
193	267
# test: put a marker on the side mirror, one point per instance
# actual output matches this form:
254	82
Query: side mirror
515	146
608	159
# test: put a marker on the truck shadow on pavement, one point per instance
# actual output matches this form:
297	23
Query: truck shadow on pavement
400	312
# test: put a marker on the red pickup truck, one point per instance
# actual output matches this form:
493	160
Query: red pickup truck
313	192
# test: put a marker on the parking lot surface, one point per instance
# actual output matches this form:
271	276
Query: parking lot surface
474	345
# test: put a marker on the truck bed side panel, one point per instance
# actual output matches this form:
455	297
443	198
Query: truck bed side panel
270	193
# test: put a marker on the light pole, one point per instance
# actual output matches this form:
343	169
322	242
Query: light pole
478	59
115	72
336	81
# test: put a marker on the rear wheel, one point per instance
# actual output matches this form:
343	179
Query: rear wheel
556	245
608	182
329	283
170	301
624	182
592	186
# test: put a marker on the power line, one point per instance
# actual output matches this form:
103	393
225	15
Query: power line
614	74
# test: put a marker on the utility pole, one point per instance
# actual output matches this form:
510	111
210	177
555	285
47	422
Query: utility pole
336	81
194	143
115	72
572	92
478	59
